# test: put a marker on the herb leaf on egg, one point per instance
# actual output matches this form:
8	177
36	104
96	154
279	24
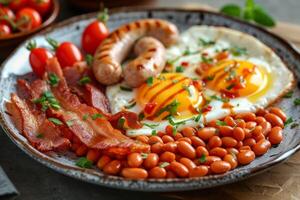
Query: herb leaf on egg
170	108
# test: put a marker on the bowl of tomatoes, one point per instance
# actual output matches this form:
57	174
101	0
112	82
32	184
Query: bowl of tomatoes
21	18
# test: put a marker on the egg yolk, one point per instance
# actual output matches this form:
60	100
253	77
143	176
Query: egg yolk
237	78
170	94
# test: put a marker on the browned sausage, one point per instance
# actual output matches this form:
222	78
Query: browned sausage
115	48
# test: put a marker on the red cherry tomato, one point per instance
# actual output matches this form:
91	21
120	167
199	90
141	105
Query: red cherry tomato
8	14
4	30
42	6
38	58
28	19
149	107
17	4
68	54
95	33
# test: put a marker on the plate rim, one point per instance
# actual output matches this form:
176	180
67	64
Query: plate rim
130	184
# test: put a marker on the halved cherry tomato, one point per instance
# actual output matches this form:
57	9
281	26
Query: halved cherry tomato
149	107
38	58
28	19
4	30
6	15
95	33
42	6
16	5
67	53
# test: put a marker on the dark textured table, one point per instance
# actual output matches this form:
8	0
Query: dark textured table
34	181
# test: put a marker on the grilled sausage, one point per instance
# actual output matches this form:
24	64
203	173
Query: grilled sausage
115	48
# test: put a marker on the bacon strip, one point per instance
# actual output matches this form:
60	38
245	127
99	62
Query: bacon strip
100	134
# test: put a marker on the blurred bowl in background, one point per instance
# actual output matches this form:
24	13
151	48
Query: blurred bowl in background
8	43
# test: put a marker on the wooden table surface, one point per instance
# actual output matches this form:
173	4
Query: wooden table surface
35	181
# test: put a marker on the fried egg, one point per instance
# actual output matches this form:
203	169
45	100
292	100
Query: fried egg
212	72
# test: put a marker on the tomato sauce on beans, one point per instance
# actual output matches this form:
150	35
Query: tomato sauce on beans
192	152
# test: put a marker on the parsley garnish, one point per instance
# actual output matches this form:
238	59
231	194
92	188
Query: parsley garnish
39	135
83	162
130	105
84	80
238	51
202	159
121	122
206	59
149	81
289	94
124	88
288	121
89	59
187	88
47	100
55	121
141	116
221	123
150	125
153	132
179	69
171	108
197	119
229	87
164	164
70	122
144	155
53	79
85	117
210	78
96	116
297	101
219	98
206	42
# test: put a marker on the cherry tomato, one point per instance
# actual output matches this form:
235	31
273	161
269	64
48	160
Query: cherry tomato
7	14
42	6
28	19
38	58
95	33
18	4
4	30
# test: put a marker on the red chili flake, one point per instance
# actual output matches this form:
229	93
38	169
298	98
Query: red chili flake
197	84
149	108
227	94
185	64
205	66
207	108
204	54
222	55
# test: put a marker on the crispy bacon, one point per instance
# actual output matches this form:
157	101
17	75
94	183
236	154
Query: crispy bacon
94	131
132	119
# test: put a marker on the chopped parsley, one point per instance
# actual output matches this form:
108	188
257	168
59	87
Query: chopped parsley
150	125
89	59
197	119
124	88
131	105
210	78
39	135
96	116
188	52
225	100
179	69
121	122
238	51
289	94
206	59
229	87
153	133
175	81
70	122
84	80
55	121
53	79
47	100
141	116
297	101
176	124
164	164
288	121
294	125
85	117
188	89
83	162
202	159
206	42
221	123
171	108
144	155
149	81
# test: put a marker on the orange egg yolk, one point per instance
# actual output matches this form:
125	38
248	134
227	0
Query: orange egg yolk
170	94
237	78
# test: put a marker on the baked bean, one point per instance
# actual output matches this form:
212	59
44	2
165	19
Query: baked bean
212	123
155	139
210	159
229	121
266	128
219	167
157	148
157	172
226	130
188	131
248	133
241	123
232	151
201	151
134	173
229	142
186	149
151	160
274	120
278	112
261	112
239	144
113	167
199	171
179	169
134	160
187	162
249	116
178	157
275	136
231	160
218	151
171	174
167	157
178	136
249	142
82	150
260	120
259	137
160	133
169	130
238	134
214	141
244	148
93	155
261	147
167	138
186	139
196	141
142	138
250	125
103	161
245	157
206	133
257	131
75	146
170	146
